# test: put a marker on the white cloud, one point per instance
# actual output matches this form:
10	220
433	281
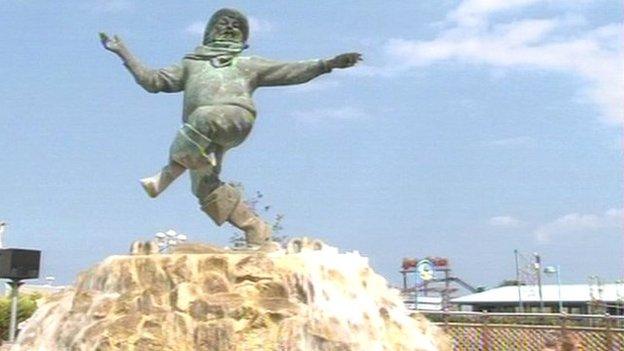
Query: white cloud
475	12
562	43
504	221
196	28
258	25
345	113
581	223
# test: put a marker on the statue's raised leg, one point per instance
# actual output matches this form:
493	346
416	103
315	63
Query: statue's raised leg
156	184
190	150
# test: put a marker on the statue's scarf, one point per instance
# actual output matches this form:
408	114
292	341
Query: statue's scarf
219	53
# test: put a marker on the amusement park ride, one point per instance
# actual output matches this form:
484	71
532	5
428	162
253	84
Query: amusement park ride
432	277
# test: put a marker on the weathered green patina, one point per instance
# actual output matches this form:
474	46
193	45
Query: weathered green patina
218	113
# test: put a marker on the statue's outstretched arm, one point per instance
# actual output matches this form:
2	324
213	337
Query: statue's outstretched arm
347	60
170	79
271	73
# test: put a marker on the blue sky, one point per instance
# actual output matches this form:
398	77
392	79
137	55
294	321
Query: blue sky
472	128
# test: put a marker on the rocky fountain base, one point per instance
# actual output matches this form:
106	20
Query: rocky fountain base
202	298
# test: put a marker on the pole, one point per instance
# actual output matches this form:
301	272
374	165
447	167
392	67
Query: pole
538	270
608	333
447	288
559	289
404	272
15	283
416	292
2	229
520	306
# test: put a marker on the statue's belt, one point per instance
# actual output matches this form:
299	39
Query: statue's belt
195	137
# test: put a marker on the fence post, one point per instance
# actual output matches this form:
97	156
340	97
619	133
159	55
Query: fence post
485	332
563	324
608	333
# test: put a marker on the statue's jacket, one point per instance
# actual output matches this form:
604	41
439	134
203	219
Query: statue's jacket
208	84
218	111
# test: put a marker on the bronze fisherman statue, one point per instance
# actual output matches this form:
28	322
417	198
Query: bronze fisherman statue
218	113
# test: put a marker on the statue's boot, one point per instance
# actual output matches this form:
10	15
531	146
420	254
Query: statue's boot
257	231
225	204
156	184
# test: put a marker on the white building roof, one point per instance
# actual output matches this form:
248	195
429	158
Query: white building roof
27	289
426	303
550	293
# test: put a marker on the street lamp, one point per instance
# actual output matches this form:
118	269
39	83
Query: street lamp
520	305
555	270
537	266
3	226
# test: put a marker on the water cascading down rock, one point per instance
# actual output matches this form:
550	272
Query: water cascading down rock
200	298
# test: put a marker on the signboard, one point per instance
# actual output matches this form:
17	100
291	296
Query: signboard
424	268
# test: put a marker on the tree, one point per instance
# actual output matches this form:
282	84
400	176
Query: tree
26	306
238	239
510	282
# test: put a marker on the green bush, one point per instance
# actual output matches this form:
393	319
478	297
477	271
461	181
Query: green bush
26	306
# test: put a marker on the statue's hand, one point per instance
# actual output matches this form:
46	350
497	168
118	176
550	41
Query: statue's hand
344	60
113	44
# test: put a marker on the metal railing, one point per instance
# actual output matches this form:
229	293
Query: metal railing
529	331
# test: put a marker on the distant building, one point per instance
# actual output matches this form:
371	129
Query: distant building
42	289
577	299
425	303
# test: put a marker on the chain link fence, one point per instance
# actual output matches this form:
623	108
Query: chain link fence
482	331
